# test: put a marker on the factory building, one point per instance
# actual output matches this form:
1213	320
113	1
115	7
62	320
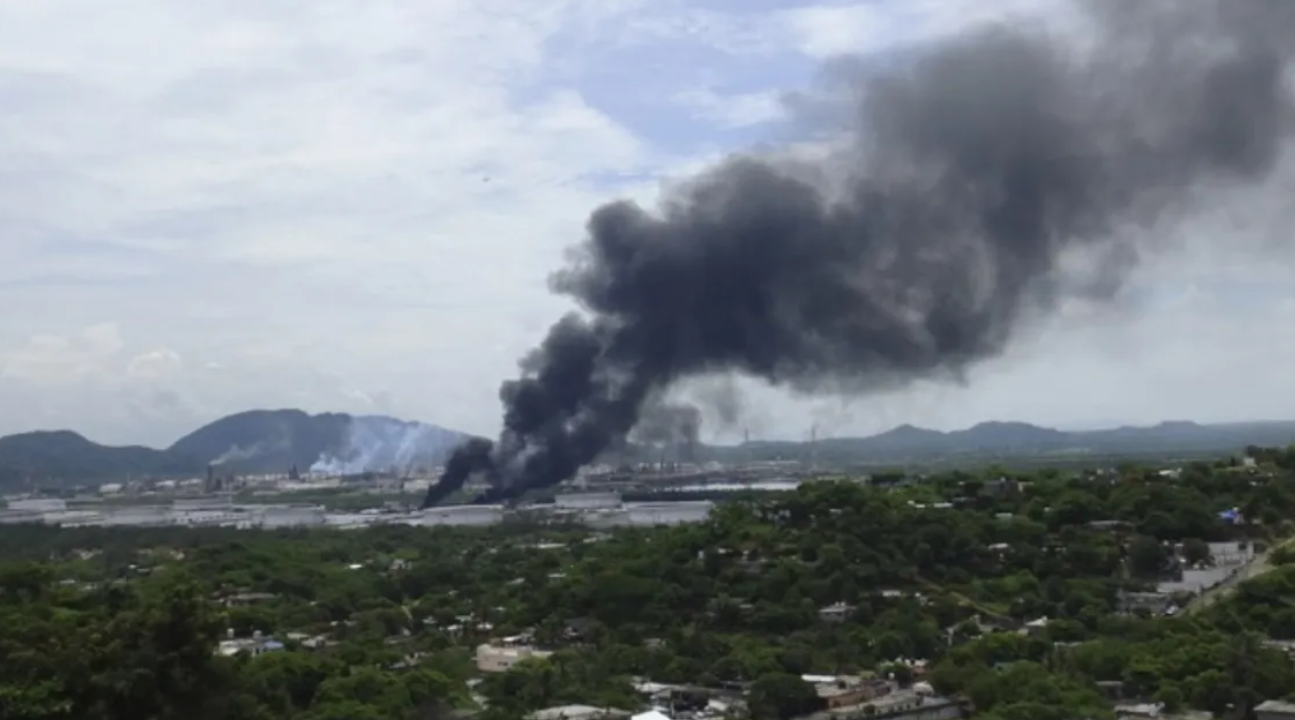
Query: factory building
586	501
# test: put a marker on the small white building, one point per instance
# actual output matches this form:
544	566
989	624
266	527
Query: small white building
498	658
1275	710
252	646
836	612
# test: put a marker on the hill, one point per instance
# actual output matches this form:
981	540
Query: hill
41	457
990	440
263	441
257	441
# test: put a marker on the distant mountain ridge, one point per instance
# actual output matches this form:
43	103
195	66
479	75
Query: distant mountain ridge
256	441
1015	439
261	441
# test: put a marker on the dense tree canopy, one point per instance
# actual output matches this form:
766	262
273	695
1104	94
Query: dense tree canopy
932	577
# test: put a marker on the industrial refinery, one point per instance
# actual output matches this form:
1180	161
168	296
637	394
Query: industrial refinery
600	496
601	510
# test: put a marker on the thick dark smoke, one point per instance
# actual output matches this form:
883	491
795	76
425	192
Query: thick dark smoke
471	457
973	168
673	427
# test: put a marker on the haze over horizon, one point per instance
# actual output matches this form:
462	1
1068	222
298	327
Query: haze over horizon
215	207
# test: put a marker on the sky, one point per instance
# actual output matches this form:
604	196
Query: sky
218	205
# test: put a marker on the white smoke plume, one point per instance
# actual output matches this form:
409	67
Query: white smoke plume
237	453
379	444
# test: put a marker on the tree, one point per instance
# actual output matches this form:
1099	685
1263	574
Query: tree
781	696
1147	556
129	632
1196	551
1171	696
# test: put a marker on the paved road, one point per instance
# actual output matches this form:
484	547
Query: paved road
1257	566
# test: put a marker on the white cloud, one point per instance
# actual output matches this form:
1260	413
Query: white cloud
829	30
388	181
154	365
734	111
54	359
209	206
92	380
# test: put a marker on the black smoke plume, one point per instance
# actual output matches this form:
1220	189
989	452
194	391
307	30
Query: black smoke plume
471	457
973	167
669	427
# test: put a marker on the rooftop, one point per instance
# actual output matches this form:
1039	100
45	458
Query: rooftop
885	705
577	712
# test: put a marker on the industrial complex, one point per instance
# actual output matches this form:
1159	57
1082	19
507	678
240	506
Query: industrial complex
601	496
599	510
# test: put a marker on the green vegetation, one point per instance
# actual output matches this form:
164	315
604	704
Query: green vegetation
946	580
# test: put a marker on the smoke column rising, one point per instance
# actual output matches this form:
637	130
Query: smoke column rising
973	167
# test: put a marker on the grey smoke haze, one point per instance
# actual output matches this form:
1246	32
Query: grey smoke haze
670	425
379	443
722	401
974	168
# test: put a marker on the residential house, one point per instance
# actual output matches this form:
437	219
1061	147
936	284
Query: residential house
1139	711
1156	711
498	658
253	646
839	692
899	705
310	642
1275	710
1036	626
836	612
1152	602
579	712
692	702
1286	646
1231	554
